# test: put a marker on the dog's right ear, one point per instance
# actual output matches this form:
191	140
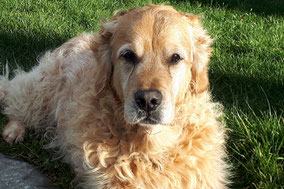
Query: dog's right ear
102	50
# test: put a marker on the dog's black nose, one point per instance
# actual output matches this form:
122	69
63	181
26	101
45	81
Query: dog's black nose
148	100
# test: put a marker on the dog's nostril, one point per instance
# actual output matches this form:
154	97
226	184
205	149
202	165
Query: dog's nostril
141	102
148	100
154	101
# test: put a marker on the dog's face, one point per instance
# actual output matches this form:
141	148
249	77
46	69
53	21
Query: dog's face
152	54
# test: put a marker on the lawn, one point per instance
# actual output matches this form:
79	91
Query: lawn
246	73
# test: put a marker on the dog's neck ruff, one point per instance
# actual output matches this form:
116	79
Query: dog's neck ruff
140	138
130	150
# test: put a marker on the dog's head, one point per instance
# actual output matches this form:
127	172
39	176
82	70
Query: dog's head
158	56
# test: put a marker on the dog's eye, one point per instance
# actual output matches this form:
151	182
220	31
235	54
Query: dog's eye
175	58
129	56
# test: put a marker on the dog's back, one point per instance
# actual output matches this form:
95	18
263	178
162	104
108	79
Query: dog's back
35	99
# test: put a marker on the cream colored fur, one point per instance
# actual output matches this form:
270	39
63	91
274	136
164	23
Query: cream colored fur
73	88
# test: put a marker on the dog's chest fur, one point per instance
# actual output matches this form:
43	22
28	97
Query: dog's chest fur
131	156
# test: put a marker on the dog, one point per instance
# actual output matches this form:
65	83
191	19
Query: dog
131	103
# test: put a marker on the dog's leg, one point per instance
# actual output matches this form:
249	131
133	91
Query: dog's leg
15	103
13	132
25	103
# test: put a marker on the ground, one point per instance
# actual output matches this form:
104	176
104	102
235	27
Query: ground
15	174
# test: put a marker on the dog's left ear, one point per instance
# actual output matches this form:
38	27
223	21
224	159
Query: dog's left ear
201	53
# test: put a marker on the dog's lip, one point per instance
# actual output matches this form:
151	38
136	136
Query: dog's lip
146	118
149	120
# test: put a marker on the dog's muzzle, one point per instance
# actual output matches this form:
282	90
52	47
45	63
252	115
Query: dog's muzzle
148	103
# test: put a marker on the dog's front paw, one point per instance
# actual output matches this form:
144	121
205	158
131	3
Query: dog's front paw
13	132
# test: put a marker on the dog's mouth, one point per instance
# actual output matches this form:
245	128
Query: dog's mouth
134	114
146	118
149	120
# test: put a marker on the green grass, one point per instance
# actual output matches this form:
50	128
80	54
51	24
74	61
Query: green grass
246	73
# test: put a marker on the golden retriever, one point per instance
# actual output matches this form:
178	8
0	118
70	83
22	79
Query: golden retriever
131	104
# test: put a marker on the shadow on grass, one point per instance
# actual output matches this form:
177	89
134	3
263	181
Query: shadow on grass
248	94
23	50
258	105
267	7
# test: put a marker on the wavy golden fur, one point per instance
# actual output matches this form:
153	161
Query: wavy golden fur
86	88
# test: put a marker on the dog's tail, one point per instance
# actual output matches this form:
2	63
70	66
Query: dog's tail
4	83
